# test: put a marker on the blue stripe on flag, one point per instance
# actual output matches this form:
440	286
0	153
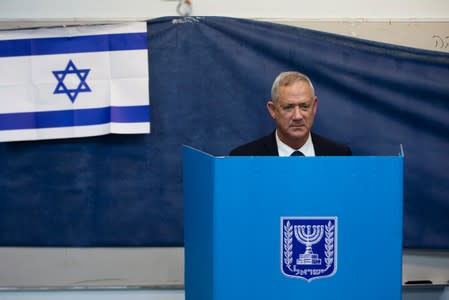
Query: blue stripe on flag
77	117
77	44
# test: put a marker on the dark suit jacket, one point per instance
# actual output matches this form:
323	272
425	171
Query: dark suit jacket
266	146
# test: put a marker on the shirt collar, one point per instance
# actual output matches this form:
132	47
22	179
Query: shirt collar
284	150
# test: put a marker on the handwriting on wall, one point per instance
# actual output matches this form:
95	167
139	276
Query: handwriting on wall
441	42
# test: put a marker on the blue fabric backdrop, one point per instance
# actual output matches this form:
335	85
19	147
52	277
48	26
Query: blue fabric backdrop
210	78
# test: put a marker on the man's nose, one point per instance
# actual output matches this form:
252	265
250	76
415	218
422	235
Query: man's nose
297	113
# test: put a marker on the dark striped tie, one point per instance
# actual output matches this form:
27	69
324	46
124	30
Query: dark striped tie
297	153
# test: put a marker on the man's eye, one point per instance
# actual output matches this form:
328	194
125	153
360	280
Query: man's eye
291	107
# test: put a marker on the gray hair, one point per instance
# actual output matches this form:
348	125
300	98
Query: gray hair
286	79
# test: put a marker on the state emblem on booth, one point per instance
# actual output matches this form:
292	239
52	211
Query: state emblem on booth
309	247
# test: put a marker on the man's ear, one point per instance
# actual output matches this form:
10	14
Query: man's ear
271	109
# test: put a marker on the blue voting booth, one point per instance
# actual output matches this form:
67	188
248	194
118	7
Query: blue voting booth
288	227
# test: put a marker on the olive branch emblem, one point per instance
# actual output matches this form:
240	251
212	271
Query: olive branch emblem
288	245
329	244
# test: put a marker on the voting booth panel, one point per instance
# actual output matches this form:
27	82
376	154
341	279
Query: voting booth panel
277	227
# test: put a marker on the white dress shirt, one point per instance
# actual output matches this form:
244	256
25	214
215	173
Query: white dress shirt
285	150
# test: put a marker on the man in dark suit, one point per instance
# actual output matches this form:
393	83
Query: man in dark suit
293	106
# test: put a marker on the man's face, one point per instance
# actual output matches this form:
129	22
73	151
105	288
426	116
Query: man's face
294	112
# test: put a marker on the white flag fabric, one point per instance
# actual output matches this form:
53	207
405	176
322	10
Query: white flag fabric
74	81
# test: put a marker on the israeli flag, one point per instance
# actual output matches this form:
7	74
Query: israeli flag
74	81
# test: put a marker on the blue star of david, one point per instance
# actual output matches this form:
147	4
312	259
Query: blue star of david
82	87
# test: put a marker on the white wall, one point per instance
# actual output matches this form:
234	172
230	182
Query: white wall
111	294
143	9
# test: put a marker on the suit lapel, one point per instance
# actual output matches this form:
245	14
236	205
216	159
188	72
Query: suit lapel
317	145
271	145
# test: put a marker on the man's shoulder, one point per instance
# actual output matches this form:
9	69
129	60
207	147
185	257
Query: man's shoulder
264	146
326	147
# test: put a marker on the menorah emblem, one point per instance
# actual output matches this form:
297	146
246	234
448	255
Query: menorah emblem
298	236
308	235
